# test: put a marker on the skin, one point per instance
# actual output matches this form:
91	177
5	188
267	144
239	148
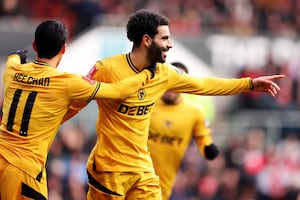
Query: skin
171	98
266	84
152	50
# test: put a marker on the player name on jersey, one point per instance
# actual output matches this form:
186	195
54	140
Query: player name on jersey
23	78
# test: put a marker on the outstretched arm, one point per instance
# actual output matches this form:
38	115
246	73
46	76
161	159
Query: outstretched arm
179	82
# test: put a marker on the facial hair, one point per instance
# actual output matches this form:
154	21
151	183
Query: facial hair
155	53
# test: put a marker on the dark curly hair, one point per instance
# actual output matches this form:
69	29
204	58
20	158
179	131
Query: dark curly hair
144	22
181	65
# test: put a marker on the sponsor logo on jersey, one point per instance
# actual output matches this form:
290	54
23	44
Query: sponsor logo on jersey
165	139
135	110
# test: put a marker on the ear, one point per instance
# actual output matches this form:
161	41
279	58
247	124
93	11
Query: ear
34	46
63	49
147	40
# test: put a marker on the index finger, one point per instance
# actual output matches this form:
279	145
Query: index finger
278	76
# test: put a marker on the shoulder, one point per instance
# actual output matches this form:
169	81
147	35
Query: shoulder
13	60
112	61
168	68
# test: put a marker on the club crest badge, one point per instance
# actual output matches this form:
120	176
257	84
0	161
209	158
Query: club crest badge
141	94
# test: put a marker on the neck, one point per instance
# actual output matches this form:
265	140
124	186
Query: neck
52	61
138	59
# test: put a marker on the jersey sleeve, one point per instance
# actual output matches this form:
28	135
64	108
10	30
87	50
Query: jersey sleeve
13	59
182	82
87	89
101	90
123	88
202	131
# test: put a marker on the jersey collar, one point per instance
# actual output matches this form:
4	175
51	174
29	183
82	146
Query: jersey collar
131	64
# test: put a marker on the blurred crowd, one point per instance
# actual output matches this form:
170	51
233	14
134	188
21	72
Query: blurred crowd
249	167
280	17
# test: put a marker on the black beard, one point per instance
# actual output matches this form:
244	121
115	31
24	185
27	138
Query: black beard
155	53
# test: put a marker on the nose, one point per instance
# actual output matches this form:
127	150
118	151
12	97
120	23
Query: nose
170	45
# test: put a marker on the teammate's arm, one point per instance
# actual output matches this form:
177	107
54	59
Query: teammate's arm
117	90
123	88
17	57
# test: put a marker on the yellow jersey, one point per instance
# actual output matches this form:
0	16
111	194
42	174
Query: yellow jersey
36	98
123	125
171	129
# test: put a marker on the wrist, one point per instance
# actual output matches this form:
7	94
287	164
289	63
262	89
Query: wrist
251	86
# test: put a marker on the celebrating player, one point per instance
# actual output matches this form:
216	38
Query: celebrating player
119	166
36	98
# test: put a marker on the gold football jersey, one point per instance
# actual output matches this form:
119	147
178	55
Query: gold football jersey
36	98
123	125
172	128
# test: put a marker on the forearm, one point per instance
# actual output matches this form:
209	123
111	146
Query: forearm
202	142
219	86
207	148
75	107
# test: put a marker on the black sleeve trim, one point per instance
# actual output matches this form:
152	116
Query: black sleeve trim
94	92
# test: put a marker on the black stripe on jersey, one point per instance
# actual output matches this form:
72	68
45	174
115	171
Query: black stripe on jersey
40	63
31	193
99	186
27	113
95	91
12	110
131	64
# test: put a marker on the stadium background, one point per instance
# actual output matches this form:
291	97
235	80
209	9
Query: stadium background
258	135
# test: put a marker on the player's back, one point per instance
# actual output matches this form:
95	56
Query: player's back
35	100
